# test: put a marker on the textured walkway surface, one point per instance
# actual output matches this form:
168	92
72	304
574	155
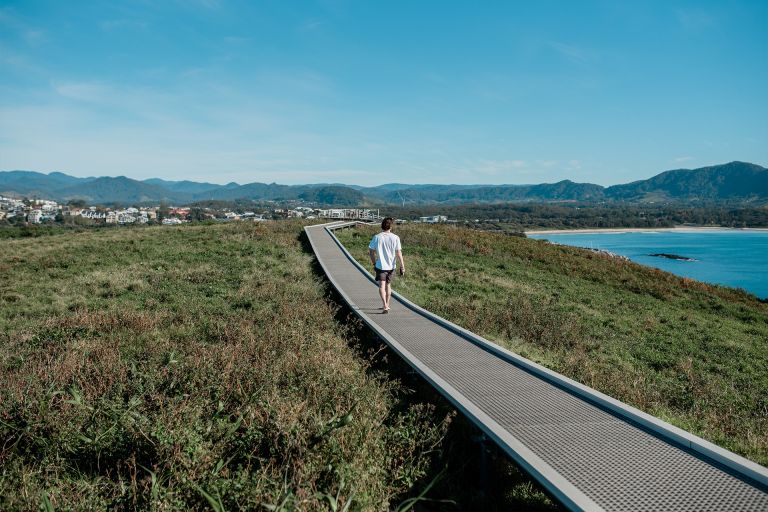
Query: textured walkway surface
588	456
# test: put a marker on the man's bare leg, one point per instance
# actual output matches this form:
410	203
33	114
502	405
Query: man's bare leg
389	294
383	294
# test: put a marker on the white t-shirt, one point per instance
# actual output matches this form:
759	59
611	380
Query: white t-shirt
386	245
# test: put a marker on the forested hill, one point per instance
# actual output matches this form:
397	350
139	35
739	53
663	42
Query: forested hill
732	182
735	182
458	194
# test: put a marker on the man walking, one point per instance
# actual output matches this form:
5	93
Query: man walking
383	249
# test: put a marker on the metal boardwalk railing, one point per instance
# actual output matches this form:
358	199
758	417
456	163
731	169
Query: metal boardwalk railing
589	451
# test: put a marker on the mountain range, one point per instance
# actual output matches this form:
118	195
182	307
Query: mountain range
734	182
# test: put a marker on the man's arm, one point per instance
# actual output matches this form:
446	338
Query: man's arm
372	255
402	262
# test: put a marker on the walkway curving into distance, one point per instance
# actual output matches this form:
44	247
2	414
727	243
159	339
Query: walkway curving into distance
590	451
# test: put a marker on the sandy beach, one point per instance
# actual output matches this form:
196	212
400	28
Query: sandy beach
678	229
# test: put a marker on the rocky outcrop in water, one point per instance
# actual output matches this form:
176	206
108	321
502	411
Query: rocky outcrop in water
672	256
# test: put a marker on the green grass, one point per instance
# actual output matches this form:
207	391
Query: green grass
692	354
195	367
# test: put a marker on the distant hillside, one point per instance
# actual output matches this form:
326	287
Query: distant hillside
36	183
735	182
186	187
259	191
417	194
334	195
458	194
117	190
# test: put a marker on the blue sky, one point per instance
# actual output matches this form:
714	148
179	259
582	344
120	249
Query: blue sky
376	92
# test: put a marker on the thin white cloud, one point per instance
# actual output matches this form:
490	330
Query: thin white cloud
695	19
573	53
121	24
92	92
196	72
205	4
236	40
35	37
17	62
32	36
437	78
227	142
498	166
683	159
312	25
8	18
295	80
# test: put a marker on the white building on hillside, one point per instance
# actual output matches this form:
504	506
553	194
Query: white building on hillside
35	216
125	218
433	219
349	213
93	214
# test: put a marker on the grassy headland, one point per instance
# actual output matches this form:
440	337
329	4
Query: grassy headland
692	354
191	368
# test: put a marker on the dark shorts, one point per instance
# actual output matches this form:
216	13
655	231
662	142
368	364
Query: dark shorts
384	275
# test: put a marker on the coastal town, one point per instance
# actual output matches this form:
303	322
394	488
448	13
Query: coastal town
47	211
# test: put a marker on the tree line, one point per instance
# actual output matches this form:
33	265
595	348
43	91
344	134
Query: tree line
575	215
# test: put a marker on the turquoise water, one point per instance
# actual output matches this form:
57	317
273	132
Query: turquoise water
730	257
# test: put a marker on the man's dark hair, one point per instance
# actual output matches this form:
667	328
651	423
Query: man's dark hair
387	223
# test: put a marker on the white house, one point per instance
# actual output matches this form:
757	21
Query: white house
35	216
125	218
433	219
150	214
93	214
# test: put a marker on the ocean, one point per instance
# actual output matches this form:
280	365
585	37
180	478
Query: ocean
735	258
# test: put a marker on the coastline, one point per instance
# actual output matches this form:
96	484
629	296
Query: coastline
677	229
751	282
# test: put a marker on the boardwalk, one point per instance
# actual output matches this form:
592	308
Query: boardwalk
589	451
